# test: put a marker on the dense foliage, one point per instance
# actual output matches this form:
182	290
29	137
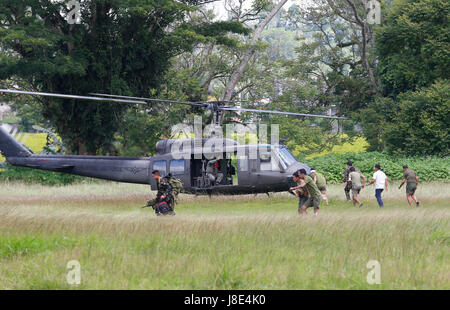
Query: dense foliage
412	114
421	123
427	168
119	46
413	45
390	79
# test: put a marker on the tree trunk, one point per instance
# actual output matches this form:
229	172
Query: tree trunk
235	77
363	47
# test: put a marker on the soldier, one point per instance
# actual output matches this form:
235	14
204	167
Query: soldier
354	178
213	171
321	183
411	179
348	186
301	193
314	193
164	202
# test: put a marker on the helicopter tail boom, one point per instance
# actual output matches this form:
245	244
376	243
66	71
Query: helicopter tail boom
114	168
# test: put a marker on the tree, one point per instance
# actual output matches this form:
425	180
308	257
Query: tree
413	45
335	54
234	79
375	118
121	47
207	69
420	125
190	77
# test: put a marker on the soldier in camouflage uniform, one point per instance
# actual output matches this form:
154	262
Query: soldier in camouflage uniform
411	179
165	194
348	186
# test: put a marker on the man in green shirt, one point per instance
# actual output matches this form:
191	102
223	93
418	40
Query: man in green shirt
354	178
314	192
411	179
321	183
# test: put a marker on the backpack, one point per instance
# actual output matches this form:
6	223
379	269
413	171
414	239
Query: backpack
163	208
176	184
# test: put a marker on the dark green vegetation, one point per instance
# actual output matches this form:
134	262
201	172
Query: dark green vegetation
413	45
392	79
34	176
421	122
413	48
121	46
427	168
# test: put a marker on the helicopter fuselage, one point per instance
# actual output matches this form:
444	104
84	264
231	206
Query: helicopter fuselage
245	169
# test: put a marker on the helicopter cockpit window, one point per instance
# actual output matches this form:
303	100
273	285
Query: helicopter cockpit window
161	166
286	158
177	167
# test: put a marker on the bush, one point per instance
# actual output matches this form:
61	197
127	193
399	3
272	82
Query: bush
427	168
32	176
359	145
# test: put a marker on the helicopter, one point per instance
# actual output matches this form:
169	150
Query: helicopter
246	168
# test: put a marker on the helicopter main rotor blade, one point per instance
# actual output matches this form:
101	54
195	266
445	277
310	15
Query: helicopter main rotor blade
213	105
117	99
195	104
280	112
21	92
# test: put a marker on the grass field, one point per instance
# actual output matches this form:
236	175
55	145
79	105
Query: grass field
242	242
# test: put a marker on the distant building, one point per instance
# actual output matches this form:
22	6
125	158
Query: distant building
5	110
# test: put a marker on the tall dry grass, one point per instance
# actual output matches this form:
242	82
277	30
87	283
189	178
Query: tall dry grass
238	242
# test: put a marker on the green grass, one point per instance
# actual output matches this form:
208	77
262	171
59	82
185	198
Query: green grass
243	242
19	246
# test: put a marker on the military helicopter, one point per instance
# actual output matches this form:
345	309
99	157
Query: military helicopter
246	169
